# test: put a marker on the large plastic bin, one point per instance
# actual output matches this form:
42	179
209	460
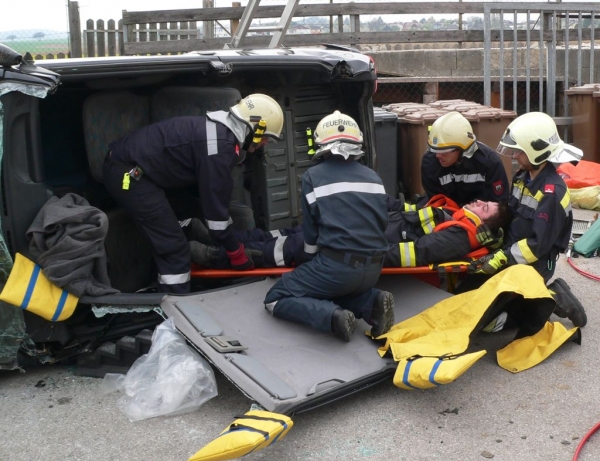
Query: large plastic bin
386	148
403	108
413	131
442	103
585	110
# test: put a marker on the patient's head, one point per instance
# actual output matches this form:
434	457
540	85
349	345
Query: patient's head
495	215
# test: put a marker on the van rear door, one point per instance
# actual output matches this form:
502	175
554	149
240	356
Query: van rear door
285	367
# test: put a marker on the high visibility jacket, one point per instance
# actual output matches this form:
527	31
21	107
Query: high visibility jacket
542	220
431	235
188	151
437	201
481	177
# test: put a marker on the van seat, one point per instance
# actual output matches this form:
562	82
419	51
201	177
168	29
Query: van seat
178	101
108	116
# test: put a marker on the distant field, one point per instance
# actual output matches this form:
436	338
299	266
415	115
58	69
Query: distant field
43	46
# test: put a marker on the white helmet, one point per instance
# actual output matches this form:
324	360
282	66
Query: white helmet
450	132
338	134
338	127
536	135
256	107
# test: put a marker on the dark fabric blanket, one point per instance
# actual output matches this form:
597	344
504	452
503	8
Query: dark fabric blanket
66	239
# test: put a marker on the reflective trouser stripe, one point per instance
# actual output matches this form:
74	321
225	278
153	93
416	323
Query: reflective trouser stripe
270	306
212	146
310	249
407	254
174	279
278	251
218	225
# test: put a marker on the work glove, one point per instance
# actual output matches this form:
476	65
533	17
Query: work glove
240	260
489	264
488	239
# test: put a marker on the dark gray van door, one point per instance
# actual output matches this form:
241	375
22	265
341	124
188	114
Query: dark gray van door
285	367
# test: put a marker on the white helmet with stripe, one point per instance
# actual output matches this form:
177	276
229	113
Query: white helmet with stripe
536	134
338	134
338	127
256	107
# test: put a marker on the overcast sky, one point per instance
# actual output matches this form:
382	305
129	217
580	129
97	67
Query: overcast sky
52	14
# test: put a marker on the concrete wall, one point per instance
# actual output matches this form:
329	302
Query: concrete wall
468	62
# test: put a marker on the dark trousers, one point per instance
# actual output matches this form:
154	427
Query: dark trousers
313	291
148	205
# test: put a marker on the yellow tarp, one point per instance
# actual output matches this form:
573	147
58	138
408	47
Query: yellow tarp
28	288
429	347
249	433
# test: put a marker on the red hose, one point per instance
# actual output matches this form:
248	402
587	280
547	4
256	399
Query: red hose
584	440
582	272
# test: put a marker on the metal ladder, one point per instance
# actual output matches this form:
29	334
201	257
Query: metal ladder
278	31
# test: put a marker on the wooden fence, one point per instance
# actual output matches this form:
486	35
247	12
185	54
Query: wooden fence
108	39
176	31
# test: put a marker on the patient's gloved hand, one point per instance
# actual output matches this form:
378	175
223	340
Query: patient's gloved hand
489	264
240	260
488	239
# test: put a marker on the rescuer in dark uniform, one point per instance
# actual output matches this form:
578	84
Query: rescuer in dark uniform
143	167
541	208
344	219
460	167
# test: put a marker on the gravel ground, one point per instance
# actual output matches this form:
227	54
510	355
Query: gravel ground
542	414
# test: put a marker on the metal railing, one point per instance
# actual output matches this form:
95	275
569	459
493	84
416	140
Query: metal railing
536	43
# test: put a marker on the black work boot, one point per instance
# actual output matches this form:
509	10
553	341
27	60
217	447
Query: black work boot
567	305
382	315
343	324
204	255
200	233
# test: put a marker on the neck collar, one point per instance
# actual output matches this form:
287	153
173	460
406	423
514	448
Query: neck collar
472	216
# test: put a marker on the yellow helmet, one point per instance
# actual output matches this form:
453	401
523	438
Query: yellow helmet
338	127
256	107
535	133
449	132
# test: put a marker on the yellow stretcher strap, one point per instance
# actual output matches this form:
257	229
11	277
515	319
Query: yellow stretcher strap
249	433
28	288
428	372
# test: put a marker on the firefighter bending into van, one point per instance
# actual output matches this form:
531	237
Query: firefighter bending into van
344	220
460	167
440	232
541	208
147	169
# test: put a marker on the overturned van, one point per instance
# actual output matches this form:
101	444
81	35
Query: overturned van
56	120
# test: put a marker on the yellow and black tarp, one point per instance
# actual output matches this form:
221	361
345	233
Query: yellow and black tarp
28	288
254	431
430	347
